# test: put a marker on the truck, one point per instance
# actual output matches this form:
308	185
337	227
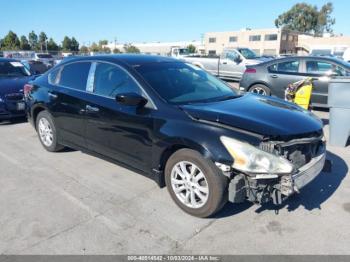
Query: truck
231	64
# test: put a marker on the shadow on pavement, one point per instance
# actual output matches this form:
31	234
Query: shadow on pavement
318	191
14	121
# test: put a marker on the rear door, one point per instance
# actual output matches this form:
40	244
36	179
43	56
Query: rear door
282	74
68	101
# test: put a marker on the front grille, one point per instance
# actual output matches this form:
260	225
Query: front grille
14	97
298	151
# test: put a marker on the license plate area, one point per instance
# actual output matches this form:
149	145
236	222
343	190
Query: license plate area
20	106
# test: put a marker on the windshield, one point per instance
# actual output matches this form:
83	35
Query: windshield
247	53
181	83
183	51
13	69
44	55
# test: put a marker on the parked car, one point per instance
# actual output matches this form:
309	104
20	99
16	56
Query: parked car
179	125
13	76
346	55
36	67
272	77
47	59
231	64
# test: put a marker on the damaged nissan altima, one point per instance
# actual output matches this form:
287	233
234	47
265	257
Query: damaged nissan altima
179	125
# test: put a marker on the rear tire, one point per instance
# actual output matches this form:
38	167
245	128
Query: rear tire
195	184
47	132
260	89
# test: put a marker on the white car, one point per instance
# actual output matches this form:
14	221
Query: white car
346	55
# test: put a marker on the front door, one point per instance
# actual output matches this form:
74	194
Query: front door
121	132
231	65
321	71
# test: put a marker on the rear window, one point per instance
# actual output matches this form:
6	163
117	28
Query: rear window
44	55
74	75
286	67
13	69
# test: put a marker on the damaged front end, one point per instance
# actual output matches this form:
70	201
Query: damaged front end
306	157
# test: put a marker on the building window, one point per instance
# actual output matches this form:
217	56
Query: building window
269	52
233	39
256	51
271	37
212	52
253	38
290	38
212	39
284	37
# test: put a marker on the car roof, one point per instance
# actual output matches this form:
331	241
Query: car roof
2	59
322	58
129	59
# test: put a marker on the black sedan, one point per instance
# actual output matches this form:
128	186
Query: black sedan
180	126
13	76
272	78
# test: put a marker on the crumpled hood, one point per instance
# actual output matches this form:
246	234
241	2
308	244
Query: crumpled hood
13	84
258	114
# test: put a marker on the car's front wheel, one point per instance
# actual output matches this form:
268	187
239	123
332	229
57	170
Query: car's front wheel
47	132
260	89
195	184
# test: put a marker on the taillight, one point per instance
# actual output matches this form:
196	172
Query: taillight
27	89
250	71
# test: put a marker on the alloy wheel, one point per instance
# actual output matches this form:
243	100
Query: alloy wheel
189	184
45	132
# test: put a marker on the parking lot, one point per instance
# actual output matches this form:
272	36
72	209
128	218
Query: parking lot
73	203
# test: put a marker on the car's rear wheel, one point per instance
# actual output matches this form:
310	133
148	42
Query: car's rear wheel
260	89
47	132
195	184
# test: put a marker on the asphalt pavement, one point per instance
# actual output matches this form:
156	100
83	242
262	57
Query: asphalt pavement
73	203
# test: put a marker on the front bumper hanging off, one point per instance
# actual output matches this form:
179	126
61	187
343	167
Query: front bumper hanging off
277	189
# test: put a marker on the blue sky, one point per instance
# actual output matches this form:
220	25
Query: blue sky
147	20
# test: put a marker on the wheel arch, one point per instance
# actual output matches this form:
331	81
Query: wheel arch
36	110
168	151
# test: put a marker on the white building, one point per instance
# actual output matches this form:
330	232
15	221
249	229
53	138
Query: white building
158	48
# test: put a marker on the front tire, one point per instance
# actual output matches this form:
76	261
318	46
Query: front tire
260	89
195	184
47	133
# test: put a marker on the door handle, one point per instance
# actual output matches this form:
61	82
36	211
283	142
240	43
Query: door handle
274	76
52	95
224	63
92	109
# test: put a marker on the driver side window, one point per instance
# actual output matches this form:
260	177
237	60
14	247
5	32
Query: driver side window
110	80
233	56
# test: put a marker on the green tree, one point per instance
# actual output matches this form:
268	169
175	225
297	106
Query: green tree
94	47
42	40
191	49
306	18
84	49
66	44
129	48
74	45
11	41
24	43
116	51
33	40
52	46
103	42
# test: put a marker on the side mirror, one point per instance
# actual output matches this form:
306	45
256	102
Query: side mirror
131	99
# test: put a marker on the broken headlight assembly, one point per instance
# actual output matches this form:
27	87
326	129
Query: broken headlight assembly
249	159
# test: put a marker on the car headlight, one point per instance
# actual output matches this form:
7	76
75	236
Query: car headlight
248	158
1	100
